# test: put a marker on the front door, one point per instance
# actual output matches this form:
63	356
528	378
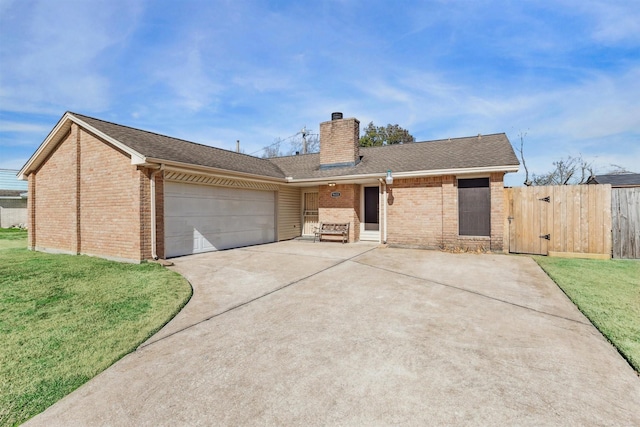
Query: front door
371	208
310	213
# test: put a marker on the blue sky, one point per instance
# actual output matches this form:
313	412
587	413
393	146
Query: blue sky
565	72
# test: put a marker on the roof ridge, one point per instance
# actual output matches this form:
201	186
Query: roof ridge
292	155
466	137
437	140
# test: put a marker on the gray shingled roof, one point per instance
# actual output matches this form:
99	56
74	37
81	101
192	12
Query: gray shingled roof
163	147
617	180
456	153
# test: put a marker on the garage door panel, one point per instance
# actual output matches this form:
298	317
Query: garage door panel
193	207
200	218
217	224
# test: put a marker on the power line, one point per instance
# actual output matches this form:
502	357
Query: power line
281	141
275	143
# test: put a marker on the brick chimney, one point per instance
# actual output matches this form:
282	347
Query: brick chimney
339	142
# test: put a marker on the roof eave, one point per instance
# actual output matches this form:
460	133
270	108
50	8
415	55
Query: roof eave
408	174
191	168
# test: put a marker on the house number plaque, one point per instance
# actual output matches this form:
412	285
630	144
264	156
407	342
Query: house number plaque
335	194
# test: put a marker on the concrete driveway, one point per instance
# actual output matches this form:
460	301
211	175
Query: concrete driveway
296	333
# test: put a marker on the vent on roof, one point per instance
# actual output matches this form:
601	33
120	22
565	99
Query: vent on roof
336	116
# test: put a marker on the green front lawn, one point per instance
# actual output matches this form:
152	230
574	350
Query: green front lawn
608	293
13	238
64	319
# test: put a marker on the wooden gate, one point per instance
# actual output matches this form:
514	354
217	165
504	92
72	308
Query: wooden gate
625	207
529	209
561	219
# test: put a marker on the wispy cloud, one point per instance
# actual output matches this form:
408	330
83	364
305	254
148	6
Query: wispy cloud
214	72
62	53
21	127
612	21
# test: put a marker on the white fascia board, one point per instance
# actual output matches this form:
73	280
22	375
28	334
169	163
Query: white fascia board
53	139
412	174
137	159
459	171
341	178
171	165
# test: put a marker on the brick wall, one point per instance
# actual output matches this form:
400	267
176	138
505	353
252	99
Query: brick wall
160	214
31	209
110	201
345	208
339	141
54	210
449	211
144	212
414	212
496	186
87	198
423	212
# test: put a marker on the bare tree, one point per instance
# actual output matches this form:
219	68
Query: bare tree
295	145
522	135
572	170
272	150
313	144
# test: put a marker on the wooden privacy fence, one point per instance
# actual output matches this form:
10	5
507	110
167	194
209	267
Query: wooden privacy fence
625	213
559	220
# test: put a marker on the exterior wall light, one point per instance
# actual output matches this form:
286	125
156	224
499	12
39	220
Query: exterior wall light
388	179
332	184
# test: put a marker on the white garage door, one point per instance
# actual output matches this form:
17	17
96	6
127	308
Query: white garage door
202	218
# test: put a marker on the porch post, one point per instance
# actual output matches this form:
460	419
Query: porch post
384	186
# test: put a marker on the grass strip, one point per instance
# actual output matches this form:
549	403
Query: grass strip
64	319
608	293
13	238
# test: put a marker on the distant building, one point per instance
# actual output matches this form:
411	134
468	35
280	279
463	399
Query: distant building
13	199
616	180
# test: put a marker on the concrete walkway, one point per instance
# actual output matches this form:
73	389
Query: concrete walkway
296	333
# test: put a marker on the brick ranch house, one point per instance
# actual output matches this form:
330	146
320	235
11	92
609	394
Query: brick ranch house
107	190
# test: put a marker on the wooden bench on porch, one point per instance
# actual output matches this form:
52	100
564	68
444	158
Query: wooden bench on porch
332	229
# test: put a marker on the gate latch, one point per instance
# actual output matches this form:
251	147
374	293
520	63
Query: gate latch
545	199
546	237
